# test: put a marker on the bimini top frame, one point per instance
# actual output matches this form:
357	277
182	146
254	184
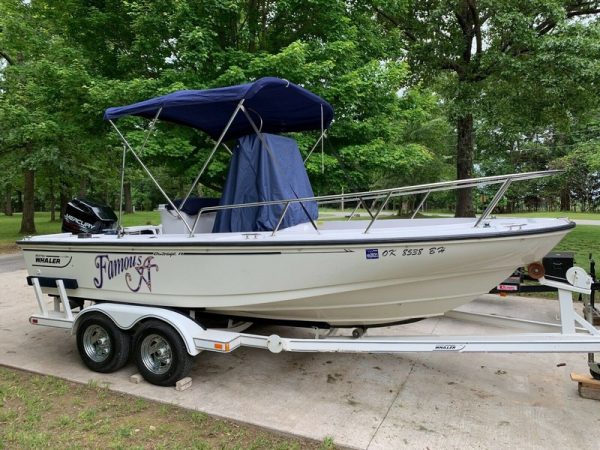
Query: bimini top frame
278	105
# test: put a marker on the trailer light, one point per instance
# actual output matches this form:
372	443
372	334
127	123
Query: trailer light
224	347
33	321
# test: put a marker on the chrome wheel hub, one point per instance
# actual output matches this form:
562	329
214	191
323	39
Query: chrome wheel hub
156	354
96	343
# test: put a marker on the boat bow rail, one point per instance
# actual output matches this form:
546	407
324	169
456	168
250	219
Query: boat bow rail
384	195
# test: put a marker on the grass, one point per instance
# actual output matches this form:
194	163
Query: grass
546	214
9	226
9	229
42	411
583	240
569	214
439	212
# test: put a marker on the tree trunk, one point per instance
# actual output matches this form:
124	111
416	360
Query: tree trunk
252	19
52	212
52	203
27	221
19	201
128	205
64	199
565	199
83	186
464	164
7	203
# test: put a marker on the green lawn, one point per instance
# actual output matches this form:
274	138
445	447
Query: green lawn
548	214
46	412
583	240
569	214
9	226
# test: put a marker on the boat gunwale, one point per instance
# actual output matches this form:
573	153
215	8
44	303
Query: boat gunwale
298	243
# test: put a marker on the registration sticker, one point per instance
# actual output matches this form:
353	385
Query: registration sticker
507	287
372	253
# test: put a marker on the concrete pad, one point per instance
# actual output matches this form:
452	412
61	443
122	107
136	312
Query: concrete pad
441	400
11	262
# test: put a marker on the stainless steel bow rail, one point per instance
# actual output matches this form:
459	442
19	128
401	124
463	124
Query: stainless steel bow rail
361	198
573	334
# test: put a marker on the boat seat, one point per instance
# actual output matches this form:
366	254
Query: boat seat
194	204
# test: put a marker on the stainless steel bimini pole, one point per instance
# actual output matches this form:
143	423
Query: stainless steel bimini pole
257	130
320	140
212	153
264	142
239	107
313	148
150	174
122	189
147	134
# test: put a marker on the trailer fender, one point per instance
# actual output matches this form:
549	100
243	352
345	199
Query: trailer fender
127	316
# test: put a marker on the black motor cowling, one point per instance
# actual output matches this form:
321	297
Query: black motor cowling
87	216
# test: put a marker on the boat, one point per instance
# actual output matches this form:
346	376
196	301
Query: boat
260	252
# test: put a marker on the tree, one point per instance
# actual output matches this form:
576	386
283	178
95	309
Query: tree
192	45
470	47
41	91
80	57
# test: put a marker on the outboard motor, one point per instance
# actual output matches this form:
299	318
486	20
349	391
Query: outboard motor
86	216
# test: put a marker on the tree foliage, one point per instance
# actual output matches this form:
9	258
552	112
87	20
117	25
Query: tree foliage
524	64
490	87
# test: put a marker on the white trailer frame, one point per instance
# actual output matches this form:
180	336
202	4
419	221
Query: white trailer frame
573	334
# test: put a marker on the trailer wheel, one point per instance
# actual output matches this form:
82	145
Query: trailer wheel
160	354
102	346
595	375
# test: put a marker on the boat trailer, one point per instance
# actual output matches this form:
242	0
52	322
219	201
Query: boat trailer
163	338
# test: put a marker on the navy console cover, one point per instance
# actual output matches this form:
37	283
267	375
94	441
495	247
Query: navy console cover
194	204
258	174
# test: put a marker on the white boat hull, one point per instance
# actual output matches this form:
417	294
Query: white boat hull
340	276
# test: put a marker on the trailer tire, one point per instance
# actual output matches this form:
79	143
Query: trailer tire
160	354
595	375
103	347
